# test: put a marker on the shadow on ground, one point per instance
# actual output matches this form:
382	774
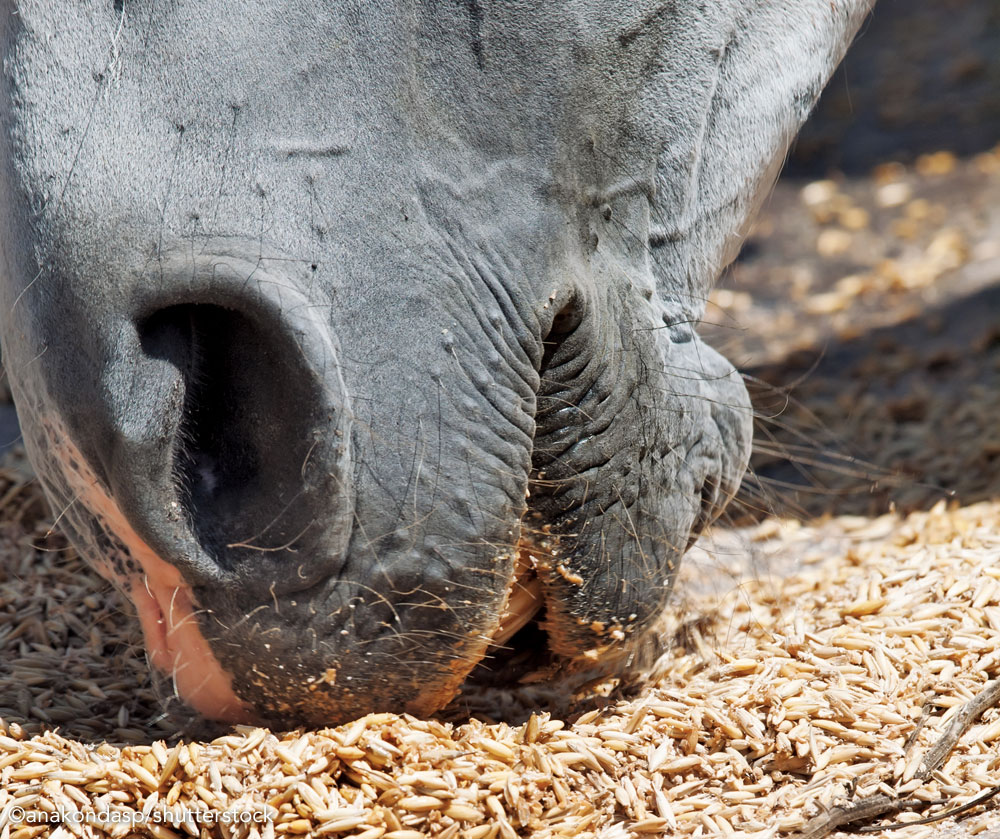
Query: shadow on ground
920	77
900	417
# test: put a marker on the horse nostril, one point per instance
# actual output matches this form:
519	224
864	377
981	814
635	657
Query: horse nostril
252	426
708	509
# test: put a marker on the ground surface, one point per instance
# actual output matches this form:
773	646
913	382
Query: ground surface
865	313
786	699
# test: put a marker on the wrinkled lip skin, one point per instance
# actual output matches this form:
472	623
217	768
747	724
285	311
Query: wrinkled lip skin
580	643
167	612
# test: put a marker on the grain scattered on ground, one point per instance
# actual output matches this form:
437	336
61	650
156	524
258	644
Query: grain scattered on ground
784	696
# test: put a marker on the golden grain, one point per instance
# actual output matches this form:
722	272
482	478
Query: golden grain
792	691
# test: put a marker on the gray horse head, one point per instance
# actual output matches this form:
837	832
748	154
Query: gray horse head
349	337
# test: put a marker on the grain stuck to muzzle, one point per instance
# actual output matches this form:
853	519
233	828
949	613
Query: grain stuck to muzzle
786	700
524	598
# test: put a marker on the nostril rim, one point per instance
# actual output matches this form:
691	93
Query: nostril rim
229	425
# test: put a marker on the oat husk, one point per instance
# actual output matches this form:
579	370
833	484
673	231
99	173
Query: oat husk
785	697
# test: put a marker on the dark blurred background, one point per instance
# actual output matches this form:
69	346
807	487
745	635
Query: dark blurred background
923	75
864	308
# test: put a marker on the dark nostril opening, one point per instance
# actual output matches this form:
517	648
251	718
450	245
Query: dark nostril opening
564	324
216	450
241	447
707	511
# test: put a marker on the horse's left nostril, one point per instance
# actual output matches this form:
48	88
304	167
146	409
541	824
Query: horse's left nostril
243	404
708	509
232	450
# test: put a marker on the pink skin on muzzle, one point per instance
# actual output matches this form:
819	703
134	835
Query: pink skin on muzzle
163	601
